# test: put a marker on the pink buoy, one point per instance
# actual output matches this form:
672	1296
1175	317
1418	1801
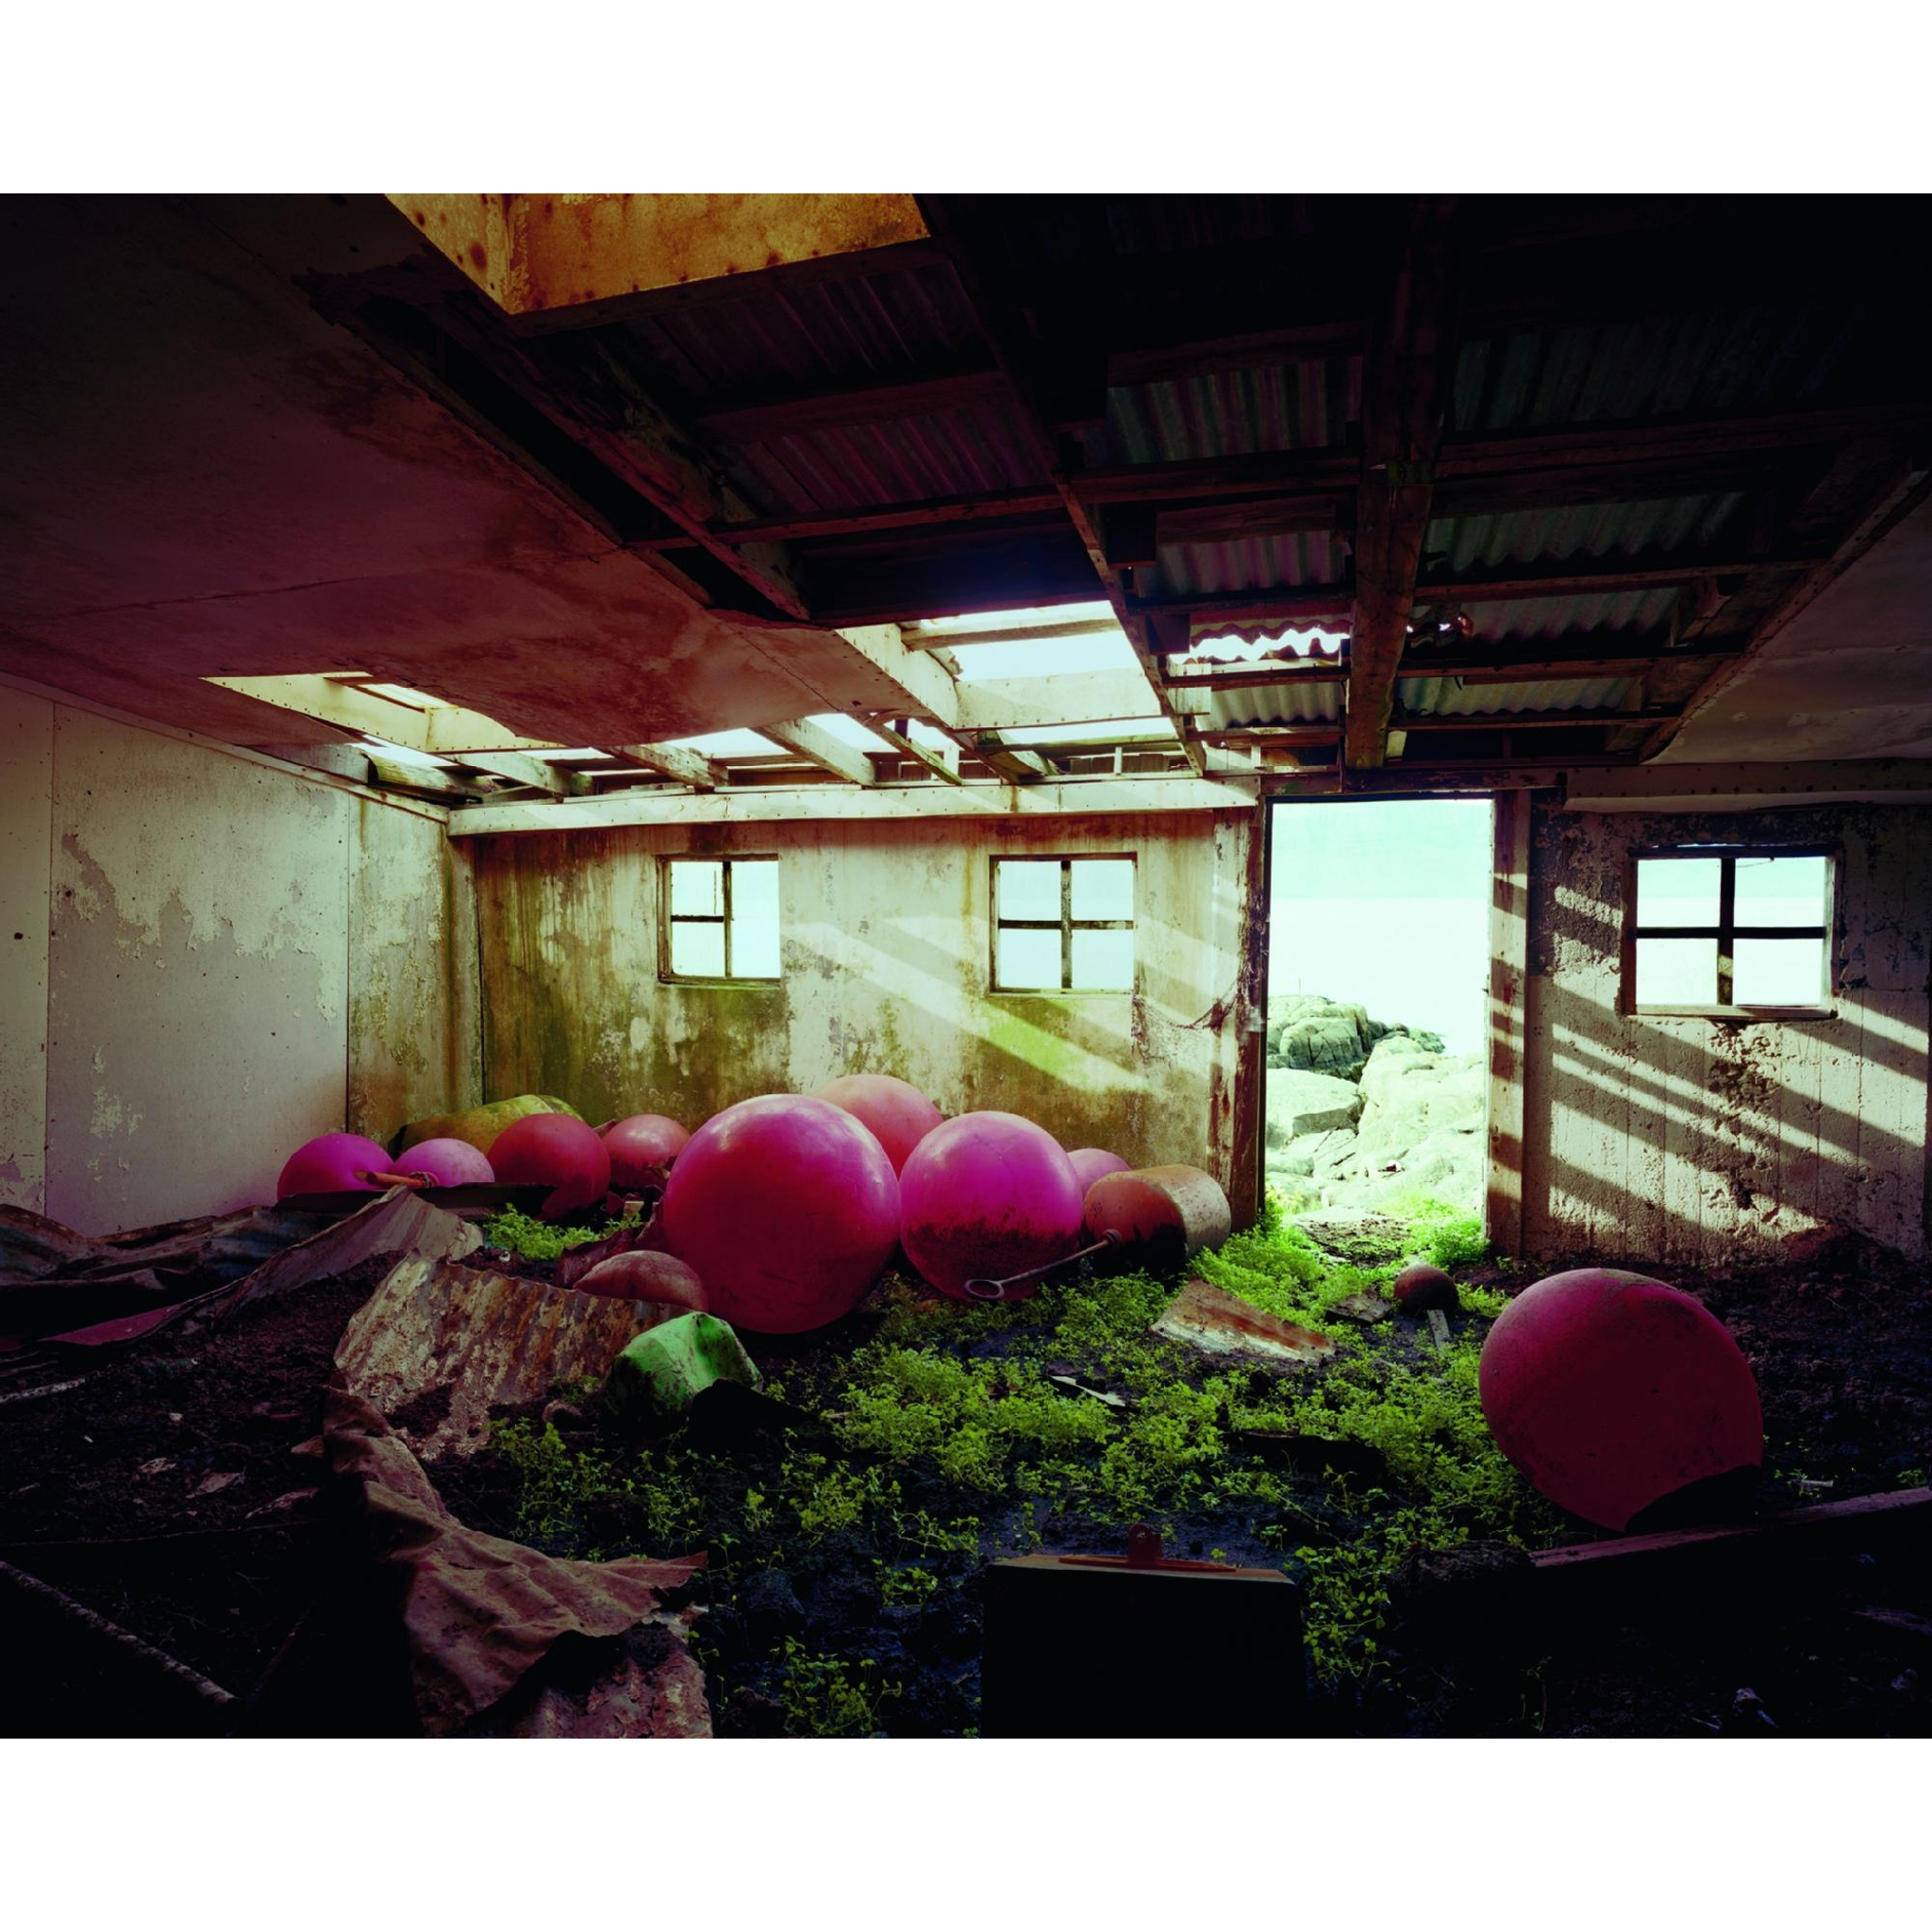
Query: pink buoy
985	1196
642	1148
331	1164
1611	1391
447	1164
787	1207
899	1115
1090	1163
556	1151
644	1275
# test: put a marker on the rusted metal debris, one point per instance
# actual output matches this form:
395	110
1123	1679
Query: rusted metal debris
454	1342
481	1614
1215	1322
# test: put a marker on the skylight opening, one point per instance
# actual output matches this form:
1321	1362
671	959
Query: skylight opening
850	731
1108	731
1106	650
728	744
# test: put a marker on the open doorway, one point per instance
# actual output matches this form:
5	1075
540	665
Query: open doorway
1376	1096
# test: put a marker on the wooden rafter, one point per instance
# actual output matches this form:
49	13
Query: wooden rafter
1404	386
816	746
675	762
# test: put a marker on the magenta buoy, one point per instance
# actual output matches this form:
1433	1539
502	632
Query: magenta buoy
789	1209
1611	1391
1090	1163
642	1148
448	1164
985	1196
556	1151
899	1115
330	1164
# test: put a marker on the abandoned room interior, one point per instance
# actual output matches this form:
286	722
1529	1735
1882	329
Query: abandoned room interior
789	966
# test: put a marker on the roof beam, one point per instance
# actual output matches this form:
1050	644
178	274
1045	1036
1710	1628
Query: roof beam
454	350
1406	391
941	760
816	746
935	512
675	762
841	406
1012	703
522	770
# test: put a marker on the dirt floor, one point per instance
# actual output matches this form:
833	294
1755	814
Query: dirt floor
175	1492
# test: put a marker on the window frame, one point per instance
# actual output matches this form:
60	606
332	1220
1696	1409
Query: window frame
1726	932
1066	925
667	976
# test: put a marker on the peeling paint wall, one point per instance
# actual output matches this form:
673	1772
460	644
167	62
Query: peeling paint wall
201	921
27	806
1667	1138
413	1018
887	961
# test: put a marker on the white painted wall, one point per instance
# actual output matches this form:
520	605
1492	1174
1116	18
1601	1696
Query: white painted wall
193	919
1663	1137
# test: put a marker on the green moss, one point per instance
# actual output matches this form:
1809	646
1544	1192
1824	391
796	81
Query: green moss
538	1241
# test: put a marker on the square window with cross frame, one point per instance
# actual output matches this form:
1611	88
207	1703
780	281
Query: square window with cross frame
1063	924
1729	931
720	921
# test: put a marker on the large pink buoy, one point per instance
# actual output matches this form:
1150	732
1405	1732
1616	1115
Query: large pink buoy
789	1209
899	1115
555	1150
1090	1163
447	1164
331	1164
642	1148
987	1195
1611	1391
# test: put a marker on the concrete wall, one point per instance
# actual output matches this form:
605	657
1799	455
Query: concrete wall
1664	1138
886	968
219	959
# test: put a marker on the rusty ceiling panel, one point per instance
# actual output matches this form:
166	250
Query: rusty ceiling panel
533	253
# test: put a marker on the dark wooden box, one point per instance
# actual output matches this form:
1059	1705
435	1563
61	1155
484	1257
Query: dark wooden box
1081	1649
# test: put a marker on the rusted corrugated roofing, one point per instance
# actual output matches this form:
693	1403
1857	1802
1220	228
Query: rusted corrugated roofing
955	452
1755	357
1641	613
1237	413
1298	701
1588	530
1250	563
1449	697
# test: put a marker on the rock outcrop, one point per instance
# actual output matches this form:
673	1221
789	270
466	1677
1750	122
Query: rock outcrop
1361	1113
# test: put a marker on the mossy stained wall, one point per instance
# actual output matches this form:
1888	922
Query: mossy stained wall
887	967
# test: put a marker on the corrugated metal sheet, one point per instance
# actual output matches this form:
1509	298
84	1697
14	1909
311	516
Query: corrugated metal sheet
954	453
1752	358
883	325
1251	563
1590	530
1237	412
1641	613
1302	702
1449	697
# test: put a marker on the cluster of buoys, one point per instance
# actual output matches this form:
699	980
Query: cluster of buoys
787	1207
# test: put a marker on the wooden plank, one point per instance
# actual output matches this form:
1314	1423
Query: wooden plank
817	745
1247	1183
675	762
942	761
522	770
1508	993
932	514
1903	1511
1404	386
1061	798
918	640
1009	704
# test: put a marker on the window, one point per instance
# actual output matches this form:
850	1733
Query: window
1063	925
721	920
1725	929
